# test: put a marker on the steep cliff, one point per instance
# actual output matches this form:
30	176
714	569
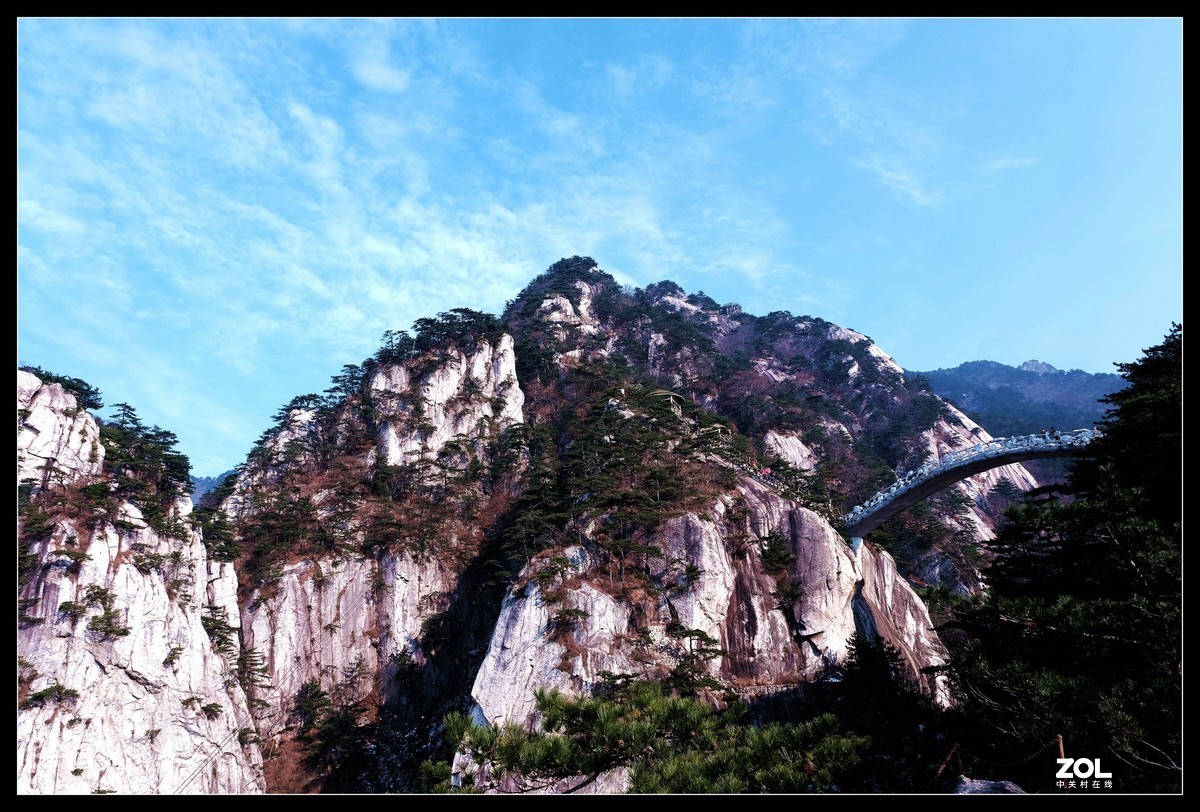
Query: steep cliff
57	442
330	618
468	397
121	688
354	521
757	592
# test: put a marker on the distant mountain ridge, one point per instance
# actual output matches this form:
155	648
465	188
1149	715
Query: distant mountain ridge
1025	399
203	484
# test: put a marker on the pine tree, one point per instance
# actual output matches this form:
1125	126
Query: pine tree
1080	635
668	743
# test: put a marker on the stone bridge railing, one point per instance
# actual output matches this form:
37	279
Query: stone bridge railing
1048	443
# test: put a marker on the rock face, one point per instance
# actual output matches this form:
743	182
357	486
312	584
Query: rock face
792	449
466	397
344	615
326	619
902	621
978	786
936	566
120	685
57	442
713	594
959	432
836	390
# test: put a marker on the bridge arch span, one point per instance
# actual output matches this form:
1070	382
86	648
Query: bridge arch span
933	477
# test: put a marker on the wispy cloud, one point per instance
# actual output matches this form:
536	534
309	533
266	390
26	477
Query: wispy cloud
898	178
571	133
849	106
900	150
40	217
738	93
372	67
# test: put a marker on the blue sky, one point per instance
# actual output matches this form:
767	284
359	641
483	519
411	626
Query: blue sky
214	216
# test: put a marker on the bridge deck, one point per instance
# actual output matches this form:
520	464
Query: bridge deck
931	478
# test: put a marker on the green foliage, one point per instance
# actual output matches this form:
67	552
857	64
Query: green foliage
108	625
910	534
1080	634
892	431
252	673
1143	431
670	744
1012	401
397	347
788	593
77	558
459	327
145	453
36	521
54	693
23	607
281	524
71	611
221	634
689	675
310	705
96	595
878	693
27	562
777	554
25	490
148	562
336	728
146	468
220	539
85	394
560	279
564	621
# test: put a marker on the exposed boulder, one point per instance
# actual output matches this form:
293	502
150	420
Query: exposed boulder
979	786
467	396
57	441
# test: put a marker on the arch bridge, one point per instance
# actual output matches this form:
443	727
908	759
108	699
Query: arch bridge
933	476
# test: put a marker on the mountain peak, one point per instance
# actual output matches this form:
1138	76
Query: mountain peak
1040	367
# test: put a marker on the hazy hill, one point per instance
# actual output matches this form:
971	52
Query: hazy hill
203	484
1025	399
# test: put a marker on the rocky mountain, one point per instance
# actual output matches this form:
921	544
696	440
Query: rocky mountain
1014	401
602	481
203	484
125	680
1027	398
